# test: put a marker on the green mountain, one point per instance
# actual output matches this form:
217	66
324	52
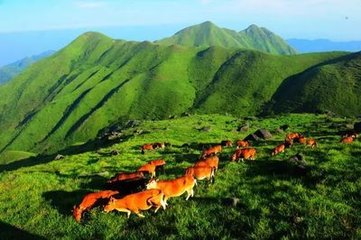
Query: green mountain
97	81
208	34
334	85
11	70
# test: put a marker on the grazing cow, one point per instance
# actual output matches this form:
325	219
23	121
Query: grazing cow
126	176
146	147
175	187
211	151
137	201
148	168
311	142
347	140
90	201
242	144
201	172
227	143
280	148
244	154
209	161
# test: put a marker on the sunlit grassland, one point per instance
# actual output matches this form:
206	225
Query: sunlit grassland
275	199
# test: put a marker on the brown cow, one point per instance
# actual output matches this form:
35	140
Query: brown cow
146	147
202	172
90	201
347	140
280	148
242	144
148	168
244	154
126	176
137	201
174	187
211	151
209	161
311	142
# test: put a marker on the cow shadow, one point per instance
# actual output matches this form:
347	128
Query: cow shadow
63	201
190	158
9	232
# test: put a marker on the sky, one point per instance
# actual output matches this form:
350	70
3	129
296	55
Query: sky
337	20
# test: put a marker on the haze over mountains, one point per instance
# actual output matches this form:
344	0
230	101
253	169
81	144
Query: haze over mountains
97	81
323	45
9	71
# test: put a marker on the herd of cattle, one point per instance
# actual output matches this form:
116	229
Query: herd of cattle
129	194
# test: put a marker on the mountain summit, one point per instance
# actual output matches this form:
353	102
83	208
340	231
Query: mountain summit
208	34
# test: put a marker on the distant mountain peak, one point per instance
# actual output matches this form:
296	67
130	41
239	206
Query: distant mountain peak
208	34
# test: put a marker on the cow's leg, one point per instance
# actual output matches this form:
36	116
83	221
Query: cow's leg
190	193
124	210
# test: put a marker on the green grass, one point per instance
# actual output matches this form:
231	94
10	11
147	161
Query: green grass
275	201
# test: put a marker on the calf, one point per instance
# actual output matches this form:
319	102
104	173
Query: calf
175	187
211	151
201	172
244	154
137	201
90	201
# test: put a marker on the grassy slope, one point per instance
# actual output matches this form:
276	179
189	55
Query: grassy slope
274	203
334	86
208	34
249	79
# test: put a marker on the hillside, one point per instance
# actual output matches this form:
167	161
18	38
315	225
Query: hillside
269	198
9	71
208	34
331	86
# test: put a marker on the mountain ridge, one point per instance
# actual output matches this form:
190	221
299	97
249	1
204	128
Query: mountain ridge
208	34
